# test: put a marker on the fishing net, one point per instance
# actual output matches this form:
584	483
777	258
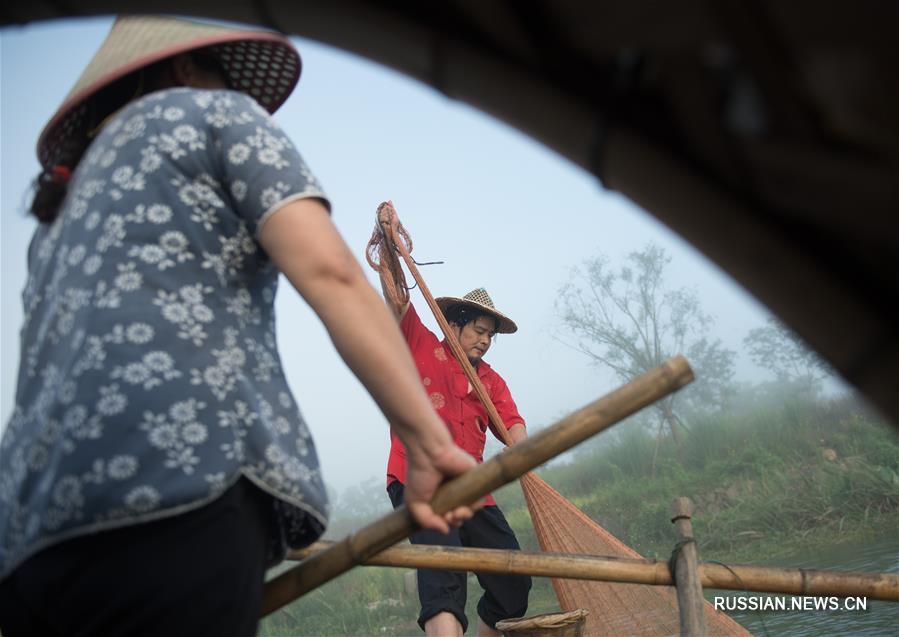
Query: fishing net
613	608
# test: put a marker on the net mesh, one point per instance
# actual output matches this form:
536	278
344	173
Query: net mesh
615	609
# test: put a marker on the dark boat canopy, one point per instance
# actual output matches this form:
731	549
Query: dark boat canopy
766	133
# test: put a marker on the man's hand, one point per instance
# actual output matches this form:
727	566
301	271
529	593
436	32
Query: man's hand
387	217
389	223
517	433
427	471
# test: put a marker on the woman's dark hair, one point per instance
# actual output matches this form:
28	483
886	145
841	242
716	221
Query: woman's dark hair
52	184
462	315
50	188
209	62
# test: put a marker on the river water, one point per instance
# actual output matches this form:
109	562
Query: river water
880	618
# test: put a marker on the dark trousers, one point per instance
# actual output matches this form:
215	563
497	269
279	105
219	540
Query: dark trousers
505	596
198	573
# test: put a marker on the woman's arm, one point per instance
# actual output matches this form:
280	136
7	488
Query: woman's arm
302	241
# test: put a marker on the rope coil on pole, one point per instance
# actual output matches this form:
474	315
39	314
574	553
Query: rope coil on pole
381	254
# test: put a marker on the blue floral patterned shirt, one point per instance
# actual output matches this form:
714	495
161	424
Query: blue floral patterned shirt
149	379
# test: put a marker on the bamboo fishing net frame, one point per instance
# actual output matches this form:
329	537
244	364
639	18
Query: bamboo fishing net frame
462	490
559	525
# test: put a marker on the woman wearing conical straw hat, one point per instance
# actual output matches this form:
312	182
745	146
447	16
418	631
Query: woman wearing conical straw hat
156	462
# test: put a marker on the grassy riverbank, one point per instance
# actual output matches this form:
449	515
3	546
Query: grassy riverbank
767	482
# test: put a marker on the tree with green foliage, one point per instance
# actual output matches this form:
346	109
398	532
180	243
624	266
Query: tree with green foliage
628	321
779	350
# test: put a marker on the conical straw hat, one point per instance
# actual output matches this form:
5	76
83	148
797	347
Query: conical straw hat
263	64
479	299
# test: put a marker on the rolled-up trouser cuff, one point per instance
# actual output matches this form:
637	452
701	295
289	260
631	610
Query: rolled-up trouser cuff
513	600
440	606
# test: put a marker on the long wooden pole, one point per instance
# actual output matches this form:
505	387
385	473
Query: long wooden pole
763	579
690	601
499	470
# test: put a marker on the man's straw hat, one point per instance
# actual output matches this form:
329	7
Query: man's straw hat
262	64
480	300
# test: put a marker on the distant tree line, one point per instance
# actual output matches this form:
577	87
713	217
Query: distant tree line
629	319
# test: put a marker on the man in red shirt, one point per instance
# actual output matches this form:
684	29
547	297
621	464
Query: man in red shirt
442	594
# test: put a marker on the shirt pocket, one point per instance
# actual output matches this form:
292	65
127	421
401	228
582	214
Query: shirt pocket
460	384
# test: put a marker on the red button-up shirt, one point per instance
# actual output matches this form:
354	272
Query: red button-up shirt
447	386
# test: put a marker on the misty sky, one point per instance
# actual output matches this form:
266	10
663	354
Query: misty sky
500	210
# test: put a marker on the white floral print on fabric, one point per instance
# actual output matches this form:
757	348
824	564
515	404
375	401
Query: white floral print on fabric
150	378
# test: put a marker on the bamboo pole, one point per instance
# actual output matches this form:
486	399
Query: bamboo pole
762	579
499	470
686	572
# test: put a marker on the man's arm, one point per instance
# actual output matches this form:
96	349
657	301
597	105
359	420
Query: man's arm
517	432
387	220
302	241
508	411
399	310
